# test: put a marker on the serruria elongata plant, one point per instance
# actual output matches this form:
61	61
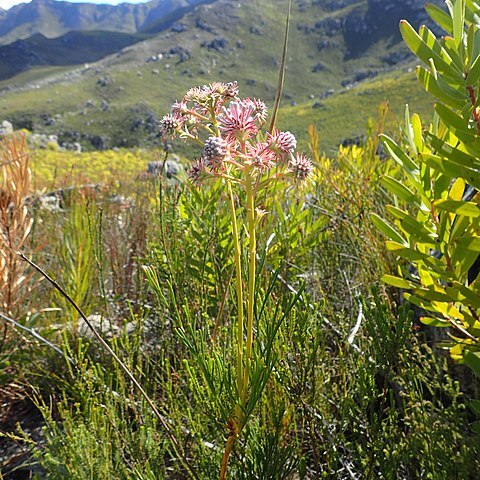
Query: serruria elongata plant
238	153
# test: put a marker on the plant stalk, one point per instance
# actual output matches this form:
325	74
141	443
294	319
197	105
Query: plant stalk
228	450
238	287
252	249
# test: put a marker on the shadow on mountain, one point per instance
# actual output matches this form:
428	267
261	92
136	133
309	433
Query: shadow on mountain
162	22
72	48
379	19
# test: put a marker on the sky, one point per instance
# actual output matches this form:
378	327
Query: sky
6	4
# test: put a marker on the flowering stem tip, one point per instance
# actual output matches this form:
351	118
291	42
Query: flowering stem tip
237	152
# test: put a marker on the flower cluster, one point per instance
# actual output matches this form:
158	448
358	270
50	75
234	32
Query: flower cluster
229	129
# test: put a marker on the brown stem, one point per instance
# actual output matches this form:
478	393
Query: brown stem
473	99
232	437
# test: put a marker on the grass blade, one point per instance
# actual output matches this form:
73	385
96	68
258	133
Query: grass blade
281	73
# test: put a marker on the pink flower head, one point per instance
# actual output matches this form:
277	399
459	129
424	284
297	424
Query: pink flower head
231	90
282	142
220	89
199	95
198	171
179	109
214	151
238	121
260	156
300	166
215	94
260	110
169	125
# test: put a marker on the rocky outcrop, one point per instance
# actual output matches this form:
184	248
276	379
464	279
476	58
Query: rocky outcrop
380	19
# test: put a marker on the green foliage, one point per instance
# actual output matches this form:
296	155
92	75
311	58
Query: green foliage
104	431
383	404
435	220
76	261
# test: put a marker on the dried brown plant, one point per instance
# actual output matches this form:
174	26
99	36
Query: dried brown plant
15	220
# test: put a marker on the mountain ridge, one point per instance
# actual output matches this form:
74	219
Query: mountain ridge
118	97
56	18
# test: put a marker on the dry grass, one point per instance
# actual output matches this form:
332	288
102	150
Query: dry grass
15	219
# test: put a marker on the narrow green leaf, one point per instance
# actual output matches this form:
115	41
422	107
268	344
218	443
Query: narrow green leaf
400	190
417	132
450	96
459	228
418	231
445	228
418	46
455	53
452	153
387	229
406	252
470	44
474	43
462	259
453	169
474	72
455	123
434	322
457	189
461	293
440	185
432	295
472	359
399	155
409	129
436	46
398	282
419	302
470	243
458	20
440	17
397	212
472	10
468	209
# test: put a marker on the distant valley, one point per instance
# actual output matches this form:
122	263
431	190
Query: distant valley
102	75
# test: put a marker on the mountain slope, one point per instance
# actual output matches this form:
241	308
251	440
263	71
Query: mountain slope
118	100
55	18
72	48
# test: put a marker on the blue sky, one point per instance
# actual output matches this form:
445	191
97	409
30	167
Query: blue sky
6	4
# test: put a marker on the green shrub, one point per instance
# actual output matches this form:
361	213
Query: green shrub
436	218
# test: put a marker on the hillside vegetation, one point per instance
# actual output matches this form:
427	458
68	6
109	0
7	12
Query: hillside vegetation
120	97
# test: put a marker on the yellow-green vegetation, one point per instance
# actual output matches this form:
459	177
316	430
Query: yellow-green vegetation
346	353
335	115
59	168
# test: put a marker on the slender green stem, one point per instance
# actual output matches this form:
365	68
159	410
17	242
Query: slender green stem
252	248
177	447
239	288
191	137
238	280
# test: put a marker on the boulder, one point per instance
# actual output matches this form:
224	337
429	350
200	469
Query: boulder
170	169
6	128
